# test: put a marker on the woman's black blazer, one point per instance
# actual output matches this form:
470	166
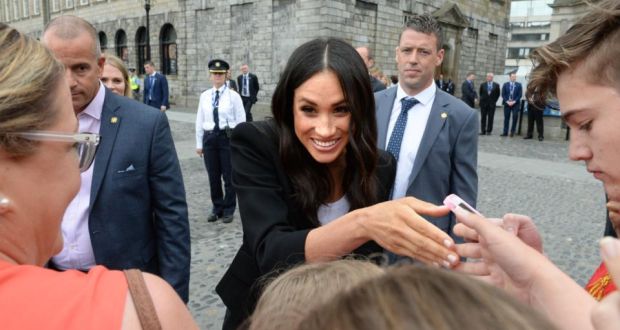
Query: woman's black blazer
271	241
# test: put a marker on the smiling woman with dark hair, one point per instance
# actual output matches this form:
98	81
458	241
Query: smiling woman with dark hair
309	180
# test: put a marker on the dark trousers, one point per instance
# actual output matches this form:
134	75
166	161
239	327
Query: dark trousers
216	153
247	105
487	113
535	115
153	104
514	110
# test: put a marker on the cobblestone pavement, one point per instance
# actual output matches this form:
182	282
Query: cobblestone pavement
515	175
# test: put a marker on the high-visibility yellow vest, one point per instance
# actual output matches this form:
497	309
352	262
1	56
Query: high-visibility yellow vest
134	83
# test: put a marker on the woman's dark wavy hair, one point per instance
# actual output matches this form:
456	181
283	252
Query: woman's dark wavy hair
311	181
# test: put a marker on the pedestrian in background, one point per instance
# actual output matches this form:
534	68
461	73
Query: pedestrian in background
155	88
535	115
366	55
219	111
231	83
248	85
445	84
512	92
134	84
489	94
115	76
468	90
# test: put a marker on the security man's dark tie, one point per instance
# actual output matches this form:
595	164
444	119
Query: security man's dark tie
398	131
216	117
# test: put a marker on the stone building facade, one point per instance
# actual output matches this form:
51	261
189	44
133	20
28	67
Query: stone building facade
185	34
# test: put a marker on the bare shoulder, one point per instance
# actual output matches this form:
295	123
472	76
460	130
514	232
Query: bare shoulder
172	313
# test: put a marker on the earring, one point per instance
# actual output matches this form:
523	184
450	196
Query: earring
4	204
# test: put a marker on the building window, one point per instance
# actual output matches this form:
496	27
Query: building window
16	9
103	41
141	48
36	7
25	8
407	15
121	45
529	37
517	53
68	4
7	11
83	2
55	6
168	44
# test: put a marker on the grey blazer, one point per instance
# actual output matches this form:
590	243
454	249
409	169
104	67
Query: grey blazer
446	162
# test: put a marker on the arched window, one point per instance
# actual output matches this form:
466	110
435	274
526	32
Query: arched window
103	41
141	48
168	47
121	45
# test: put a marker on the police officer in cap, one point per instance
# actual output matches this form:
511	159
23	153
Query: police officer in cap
219	111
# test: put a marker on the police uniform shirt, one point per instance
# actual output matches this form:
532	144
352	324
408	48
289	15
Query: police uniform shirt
230	111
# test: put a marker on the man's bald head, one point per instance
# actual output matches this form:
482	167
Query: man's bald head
69	27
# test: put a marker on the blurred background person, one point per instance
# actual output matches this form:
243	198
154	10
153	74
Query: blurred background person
155	88
468	91
378	74
512	91
308	179
489	94
535	116
134	84
41	155
230	83
366	55
248	85
115	76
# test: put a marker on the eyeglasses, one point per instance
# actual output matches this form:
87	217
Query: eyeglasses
85	144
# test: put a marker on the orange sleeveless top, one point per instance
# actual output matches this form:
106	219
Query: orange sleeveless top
601	284
33	297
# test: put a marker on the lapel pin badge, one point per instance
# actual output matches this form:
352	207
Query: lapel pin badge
444	115
114	120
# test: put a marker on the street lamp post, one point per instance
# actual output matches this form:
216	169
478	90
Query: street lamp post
147	7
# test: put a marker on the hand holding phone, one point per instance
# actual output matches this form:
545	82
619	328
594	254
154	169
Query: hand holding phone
452	201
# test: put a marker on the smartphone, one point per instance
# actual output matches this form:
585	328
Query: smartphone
452	201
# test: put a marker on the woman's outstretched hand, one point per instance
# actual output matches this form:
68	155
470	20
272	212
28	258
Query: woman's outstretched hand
399	228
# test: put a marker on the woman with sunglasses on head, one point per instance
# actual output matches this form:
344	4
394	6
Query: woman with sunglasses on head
41	157
309	179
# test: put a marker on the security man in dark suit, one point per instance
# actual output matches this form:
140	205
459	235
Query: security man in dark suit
489	94
445	85
219	111
468	91
248	88
155	88
512	92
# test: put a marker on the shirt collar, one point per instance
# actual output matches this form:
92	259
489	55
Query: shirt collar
95	106
424	97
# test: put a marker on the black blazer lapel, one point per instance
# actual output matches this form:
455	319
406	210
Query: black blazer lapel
110	122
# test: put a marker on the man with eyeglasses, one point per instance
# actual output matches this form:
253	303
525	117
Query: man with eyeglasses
130	211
